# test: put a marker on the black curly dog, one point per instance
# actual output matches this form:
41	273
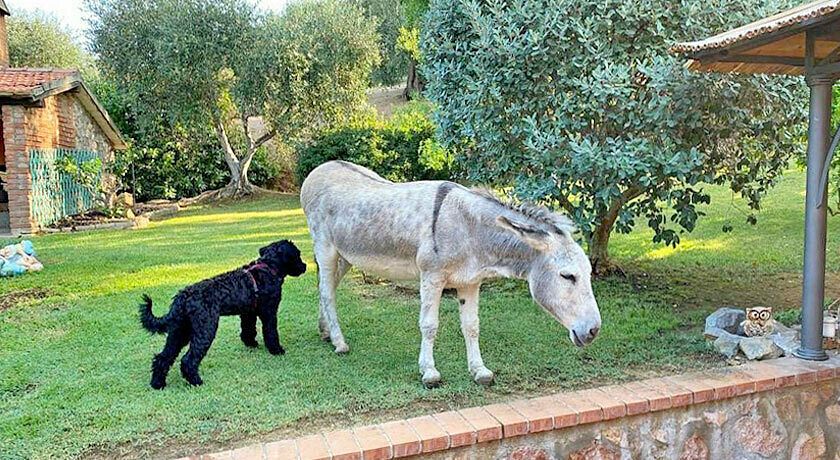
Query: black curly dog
252	292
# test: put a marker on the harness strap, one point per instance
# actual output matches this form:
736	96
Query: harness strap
257	266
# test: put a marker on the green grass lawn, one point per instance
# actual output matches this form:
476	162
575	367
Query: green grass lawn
74	362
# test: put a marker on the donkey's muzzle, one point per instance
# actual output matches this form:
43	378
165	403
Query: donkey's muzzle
586	336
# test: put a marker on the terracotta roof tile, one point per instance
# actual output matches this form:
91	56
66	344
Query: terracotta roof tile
783	20
29	82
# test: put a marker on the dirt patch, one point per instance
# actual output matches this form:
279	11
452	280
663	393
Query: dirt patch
385	100
709	290
13	299
84	219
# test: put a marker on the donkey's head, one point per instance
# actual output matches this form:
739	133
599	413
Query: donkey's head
560	276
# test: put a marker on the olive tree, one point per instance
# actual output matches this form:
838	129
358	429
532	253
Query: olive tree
215	64
390	17
37	39
409	42
578	104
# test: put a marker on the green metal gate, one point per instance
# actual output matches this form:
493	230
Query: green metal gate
55	193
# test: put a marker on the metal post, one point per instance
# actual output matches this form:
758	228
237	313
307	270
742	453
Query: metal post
813	281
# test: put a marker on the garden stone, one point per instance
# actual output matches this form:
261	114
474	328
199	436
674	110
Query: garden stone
727	344
125	199
723	320
785	338
760	348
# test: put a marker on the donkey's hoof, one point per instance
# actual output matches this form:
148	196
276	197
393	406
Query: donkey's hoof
431	379
342	349
483	377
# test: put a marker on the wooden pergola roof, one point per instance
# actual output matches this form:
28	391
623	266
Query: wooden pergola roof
775	45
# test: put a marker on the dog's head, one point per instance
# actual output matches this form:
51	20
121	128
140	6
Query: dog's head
284	257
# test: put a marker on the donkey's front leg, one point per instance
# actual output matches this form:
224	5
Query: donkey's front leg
431	288
468	298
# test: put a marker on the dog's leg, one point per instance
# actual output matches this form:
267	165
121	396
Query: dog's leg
175	342
269	330
248	321
204	329
327	258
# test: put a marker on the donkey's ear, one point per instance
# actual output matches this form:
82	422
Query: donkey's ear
532	236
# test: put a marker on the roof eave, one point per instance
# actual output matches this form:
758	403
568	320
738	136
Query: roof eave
100	115
721	44
72	83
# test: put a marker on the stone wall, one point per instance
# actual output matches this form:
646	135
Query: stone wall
776	409
61	123
790	423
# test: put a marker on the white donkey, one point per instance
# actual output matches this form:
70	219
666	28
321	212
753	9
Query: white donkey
450	237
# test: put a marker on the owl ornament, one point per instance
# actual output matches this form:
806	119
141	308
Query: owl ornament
759	322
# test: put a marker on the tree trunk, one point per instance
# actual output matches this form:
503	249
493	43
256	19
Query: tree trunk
239	184
599	250
414	84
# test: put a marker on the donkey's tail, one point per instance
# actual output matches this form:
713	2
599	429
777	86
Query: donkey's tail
149	321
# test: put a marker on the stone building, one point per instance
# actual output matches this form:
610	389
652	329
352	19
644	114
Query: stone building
48	116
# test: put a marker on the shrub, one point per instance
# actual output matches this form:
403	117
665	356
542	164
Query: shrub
177	171
579	104
400	149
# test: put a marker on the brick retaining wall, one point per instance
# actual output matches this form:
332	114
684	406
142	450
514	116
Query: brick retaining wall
780	409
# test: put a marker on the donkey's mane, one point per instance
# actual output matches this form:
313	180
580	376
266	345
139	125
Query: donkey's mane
557	222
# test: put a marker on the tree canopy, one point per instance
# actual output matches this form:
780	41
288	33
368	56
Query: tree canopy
578	104
37	39
211	65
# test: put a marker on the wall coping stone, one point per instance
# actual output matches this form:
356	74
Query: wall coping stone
454	429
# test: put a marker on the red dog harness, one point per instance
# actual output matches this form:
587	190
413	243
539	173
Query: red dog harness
257	266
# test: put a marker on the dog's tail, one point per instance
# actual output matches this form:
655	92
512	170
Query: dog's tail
149	321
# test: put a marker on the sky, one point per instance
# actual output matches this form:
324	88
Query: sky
72	14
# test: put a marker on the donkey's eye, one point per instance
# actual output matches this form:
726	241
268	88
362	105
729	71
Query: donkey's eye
571	278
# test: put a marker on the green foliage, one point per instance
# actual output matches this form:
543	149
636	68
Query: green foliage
789	317
203	68
579	104
174	168
312	65
85	173
390	16
408	41
37	39
400	149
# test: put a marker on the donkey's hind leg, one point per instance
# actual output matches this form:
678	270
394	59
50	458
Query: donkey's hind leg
328	271
342	267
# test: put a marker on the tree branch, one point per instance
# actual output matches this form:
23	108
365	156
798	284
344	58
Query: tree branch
230	156
264	138
254	144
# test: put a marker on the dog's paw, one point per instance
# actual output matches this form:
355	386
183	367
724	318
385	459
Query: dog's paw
158	385
251	344
277	351
196	382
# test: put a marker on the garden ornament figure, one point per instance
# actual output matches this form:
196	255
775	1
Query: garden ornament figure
759	322
448	236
